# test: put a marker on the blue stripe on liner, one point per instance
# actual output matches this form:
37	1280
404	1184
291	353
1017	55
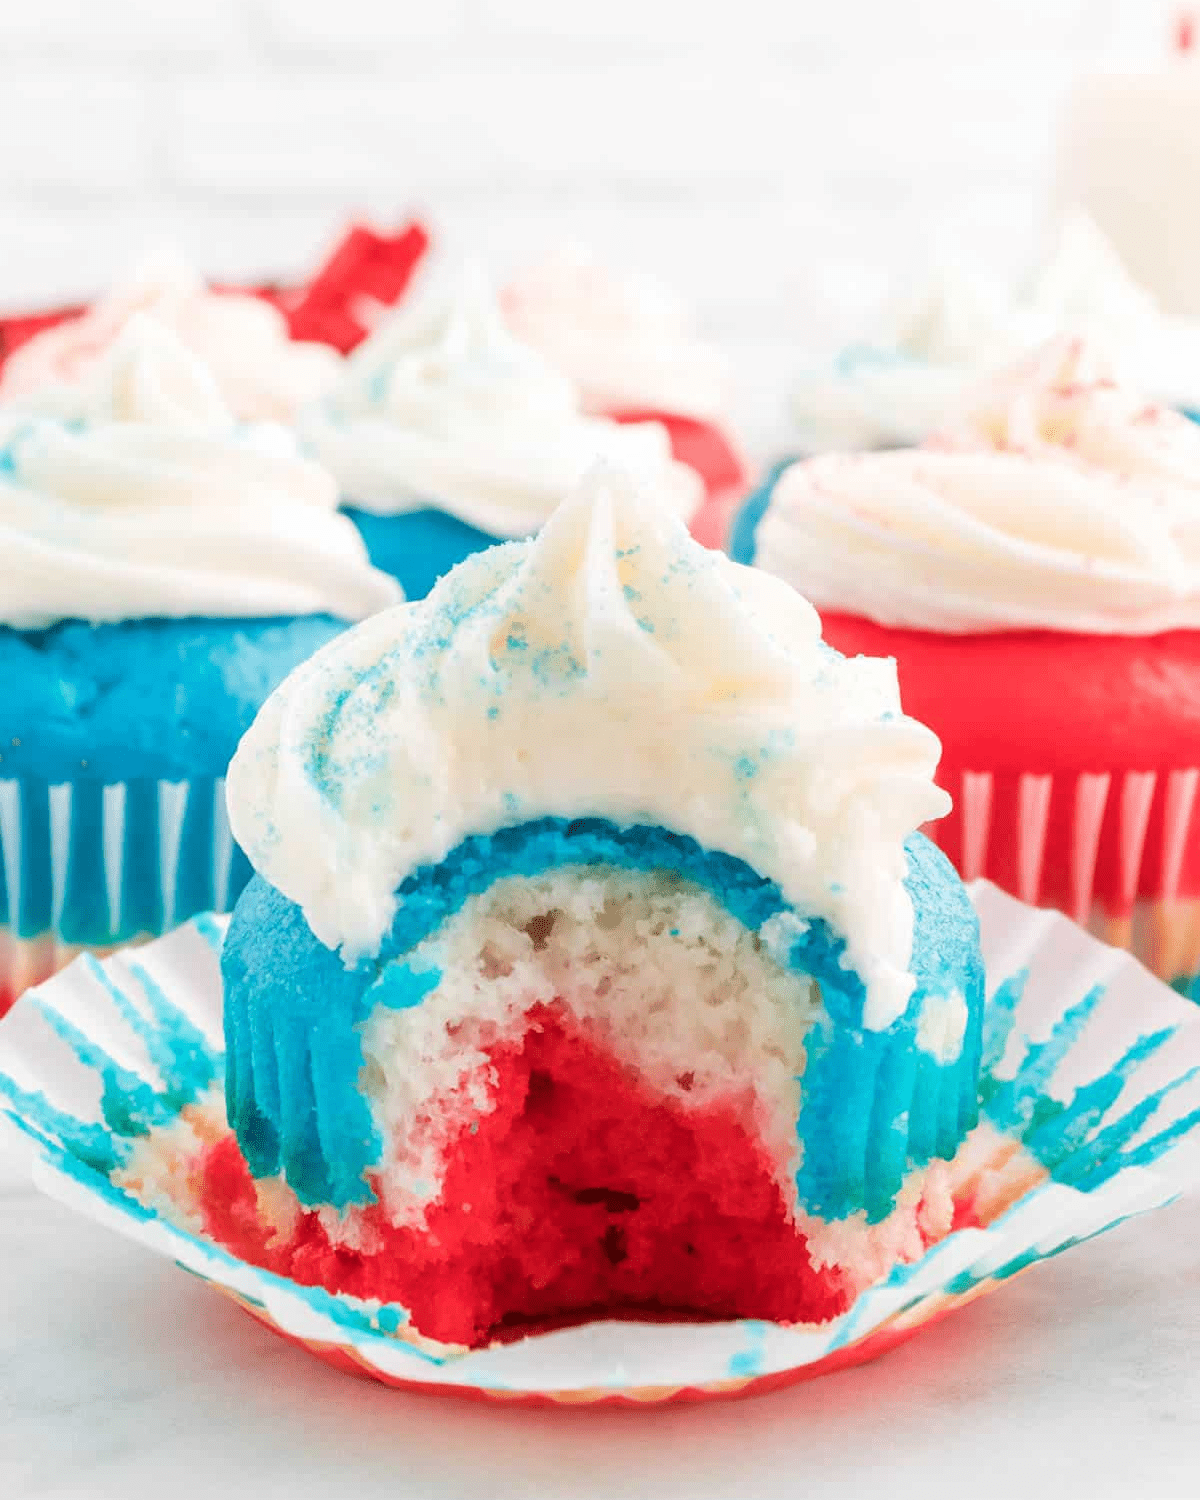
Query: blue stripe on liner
86	915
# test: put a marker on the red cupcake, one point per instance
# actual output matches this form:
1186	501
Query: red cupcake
1036	574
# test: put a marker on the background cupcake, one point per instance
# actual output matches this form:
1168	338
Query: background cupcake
261	372
627	343
591	965
1035	572
163	569
962	322
446	434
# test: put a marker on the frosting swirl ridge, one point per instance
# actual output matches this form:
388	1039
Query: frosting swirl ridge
441	406
262	373
1059	500
931	345
135	494
625	341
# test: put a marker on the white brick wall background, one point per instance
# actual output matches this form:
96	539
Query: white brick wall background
778	159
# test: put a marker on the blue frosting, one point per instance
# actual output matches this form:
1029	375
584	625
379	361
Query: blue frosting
745	524
874	1105
417	547
138	702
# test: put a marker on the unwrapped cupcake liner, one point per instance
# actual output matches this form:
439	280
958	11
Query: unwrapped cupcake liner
1090	1098
94	865
1127	837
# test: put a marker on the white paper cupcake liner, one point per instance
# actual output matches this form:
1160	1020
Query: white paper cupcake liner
1090	1097
1136	827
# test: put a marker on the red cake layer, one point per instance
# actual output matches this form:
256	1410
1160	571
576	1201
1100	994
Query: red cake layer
1048	703
581	1193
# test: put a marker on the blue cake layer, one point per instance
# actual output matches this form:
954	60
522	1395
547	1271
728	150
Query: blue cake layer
742	544
417	547
874	1105
163	699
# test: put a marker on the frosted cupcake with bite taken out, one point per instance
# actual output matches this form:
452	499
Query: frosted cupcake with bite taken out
163	569
592	964
447	435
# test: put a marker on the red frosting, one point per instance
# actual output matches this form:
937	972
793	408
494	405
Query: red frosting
1038	703
580	1193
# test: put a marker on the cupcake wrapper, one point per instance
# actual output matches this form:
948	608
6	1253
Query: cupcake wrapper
85	865
1090	1096
1113	837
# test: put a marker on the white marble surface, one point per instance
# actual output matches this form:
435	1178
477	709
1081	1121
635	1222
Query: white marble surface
122	1376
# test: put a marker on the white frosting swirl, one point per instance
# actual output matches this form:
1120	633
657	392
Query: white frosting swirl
261	372
1061	502
443	407
934	345
134	494
625	341
874	398
612	668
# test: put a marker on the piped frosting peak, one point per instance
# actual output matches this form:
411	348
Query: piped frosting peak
443	407
134	493
609	668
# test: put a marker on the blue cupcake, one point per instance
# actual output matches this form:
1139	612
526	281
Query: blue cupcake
593	962
164	570
447	435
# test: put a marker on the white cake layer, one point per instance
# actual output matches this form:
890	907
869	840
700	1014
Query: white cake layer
653	968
